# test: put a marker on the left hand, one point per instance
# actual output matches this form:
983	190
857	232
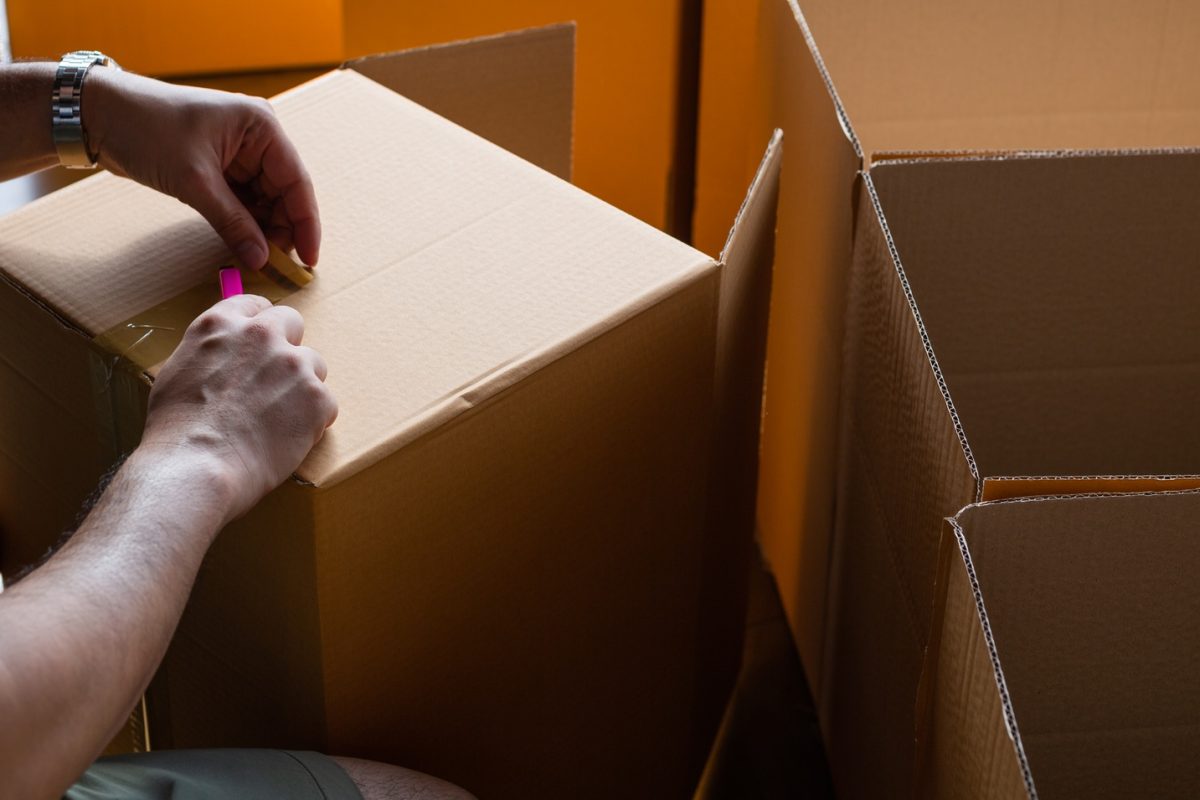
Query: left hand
224	154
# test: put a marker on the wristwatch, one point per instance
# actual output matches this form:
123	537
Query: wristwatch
66	107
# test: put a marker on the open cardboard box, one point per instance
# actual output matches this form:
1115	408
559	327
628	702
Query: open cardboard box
518	558
1066	650
856	83
1017	326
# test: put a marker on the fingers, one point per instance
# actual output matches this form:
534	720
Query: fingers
283	170
286	320
229	217
316	361
246	305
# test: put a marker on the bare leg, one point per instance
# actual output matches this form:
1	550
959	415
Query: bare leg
379	781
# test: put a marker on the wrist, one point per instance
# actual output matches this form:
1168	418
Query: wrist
101	95
203	476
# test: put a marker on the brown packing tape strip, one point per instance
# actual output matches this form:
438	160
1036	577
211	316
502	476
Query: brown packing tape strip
282	269
149	337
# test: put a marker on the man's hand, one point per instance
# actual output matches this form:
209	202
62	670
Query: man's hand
242	391
223	154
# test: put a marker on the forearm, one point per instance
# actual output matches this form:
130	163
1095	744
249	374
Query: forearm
26	142
81	637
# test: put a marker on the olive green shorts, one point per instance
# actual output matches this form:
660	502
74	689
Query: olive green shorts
212	774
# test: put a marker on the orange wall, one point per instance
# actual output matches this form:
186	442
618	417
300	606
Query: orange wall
182	37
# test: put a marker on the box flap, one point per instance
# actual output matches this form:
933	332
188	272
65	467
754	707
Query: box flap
1027	75
450	268
966	746
1010	487
1062	313
1089	605
514	89
806	328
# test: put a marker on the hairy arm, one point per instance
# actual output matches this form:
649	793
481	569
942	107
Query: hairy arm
231	415
26	143
80	637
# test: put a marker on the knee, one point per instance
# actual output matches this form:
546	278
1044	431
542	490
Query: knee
378	781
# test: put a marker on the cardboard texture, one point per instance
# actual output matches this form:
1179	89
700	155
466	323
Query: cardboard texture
1067	655
518	557
865	83
1007	318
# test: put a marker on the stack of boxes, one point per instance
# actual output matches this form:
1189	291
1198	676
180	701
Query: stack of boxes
979	463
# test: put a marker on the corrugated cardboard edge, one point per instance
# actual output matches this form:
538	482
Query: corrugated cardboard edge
884	158
1014	487
951	547
815	51
770	158
926	343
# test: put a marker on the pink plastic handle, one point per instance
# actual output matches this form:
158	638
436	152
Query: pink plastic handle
231	282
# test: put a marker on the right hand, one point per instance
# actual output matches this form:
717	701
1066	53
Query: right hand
242	392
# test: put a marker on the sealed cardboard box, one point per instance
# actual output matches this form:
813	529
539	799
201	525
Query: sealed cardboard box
1017	326
853	83
517	559
1065	651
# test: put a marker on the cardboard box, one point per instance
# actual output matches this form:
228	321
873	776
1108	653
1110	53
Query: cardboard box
852	83
1067	654
518	559
1017	326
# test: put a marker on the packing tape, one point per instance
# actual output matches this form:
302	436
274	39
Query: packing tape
149	337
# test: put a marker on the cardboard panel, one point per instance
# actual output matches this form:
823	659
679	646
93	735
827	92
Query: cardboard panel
514	89
1061	311
903	469
961	717
1005	488
627	54
804	340
183	37
1019	75
740	358
1091	610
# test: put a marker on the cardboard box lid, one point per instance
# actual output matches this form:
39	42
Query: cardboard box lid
1024	75
1086	608
450	268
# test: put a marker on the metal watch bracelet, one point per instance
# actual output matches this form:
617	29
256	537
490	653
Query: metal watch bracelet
66	106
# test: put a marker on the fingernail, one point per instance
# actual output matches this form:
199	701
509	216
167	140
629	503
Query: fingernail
251	254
